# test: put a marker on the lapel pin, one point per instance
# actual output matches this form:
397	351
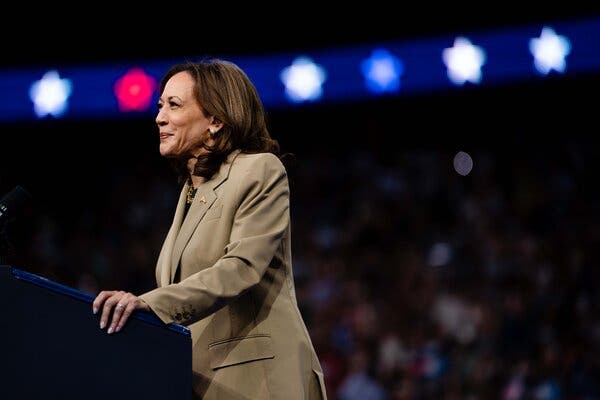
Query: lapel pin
203	199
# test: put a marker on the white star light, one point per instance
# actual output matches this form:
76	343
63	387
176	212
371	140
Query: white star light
303	80
382	71
50	94
549	51
463	61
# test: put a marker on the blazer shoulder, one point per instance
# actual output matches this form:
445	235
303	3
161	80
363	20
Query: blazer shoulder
259	162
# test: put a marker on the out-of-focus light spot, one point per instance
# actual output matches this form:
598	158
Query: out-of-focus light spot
439	254
326	236
549	51
382	71
49	95
547	390
134	90
463	163
464	61
303	80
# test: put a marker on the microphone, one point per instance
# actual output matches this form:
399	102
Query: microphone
12	203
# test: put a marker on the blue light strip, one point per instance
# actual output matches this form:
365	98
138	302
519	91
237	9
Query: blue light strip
508	60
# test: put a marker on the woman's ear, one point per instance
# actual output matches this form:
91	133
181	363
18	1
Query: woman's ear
215	125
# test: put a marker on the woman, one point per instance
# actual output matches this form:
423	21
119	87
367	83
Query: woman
225	266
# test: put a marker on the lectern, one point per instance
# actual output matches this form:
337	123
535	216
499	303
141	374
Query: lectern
52	347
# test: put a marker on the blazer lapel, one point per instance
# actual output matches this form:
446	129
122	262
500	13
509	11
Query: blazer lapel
204	198
165	260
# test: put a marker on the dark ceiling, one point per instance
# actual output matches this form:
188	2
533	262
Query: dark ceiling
172	31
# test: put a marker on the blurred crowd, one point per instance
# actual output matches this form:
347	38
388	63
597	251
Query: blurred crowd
416	282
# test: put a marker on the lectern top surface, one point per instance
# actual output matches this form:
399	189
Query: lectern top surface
88	298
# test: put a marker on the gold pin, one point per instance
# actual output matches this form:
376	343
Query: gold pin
203	199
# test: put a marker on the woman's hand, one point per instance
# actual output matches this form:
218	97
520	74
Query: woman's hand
123	304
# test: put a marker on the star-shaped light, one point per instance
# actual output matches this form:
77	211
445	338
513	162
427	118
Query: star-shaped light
49	95
464	61
382	71
303	80
549	51
134	90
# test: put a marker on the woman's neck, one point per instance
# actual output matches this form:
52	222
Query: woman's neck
196	180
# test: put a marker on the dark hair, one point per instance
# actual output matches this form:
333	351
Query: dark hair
225	92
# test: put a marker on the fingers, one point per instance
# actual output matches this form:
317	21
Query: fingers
119	304
122	311
110	303
104	300
126	313
99	300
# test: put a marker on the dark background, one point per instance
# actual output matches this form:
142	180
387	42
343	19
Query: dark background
373	190
52	33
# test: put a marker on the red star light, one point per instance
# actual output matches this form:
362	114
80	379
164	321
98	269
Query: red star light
134	90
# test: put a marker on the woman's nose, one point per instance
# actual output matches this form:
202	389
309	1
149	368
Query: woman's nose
160	119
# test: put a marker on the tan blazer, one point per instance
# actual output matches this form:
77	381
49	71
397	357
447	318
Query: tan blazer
237	288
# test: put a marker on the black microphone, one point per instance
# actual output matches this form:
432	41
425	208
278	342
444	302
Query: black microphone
12	203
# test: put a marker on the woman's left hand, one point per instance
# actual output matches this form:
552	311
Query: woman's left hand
121	304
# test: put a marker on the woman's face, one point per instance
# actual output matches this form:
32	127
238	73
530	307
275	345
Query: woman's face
181	122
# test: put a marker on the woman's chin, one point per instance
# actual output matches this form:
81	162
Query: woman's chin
166	151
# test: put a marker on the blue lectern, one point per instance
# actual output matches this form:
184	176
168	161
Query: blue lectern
52	347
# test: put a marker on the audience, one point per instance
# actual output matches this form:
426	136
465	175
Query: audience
416	282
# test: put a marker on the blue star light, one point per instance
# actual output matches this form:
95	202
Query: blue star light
303	80
382	71
49	95
549	51
464	61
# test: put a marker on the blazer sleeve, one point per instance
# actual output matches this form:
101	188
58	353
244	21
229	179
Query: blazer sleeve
259	224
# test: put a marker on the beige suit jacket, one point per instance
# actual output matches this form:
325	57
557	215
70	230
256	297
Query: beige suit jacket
236	292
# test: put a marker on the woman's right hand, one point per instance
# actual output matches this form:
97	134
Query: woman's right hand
118	303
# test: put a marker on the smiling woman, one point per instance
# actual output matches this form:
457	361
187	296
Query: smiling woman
225	268
185	129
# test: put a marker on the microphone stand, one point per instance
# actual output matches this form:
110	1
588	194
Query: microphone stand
4	246
9	205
